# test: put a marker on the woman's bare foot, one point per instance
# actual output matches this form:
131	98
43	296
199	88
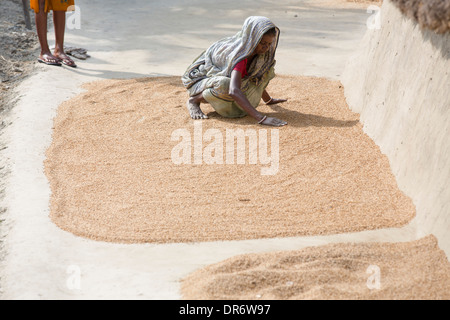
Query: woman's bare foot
194	109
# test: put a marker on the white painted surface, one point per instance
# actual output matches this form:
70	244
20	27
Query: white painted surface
399	81
141	38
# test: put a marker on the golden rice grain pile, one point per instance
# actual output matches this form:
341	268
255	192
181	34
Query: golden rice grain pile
416	270
115	172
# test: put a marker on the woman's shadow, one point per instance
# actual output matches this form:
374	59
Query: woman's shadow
294	119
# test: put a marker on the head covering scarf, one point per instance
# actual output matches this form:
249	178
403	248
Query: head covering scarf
221	57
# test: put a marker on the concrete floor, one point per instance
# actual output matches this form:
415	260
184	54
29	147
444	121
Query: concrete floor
140	38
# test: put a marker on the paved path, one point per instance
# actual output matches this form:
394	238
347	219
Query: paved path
140	38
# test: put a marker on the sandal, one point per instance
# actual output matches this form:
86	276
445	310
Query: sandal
46	59
67	61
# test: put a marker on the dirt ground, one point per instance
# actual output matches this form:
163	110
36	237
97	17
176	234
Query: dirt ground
18	49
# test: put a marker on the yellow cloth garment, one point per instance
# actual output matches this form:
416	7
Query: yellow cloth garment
55	5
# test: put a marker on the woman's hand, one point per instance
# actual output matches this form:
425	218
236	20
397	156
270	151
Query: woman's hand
274	122
275	101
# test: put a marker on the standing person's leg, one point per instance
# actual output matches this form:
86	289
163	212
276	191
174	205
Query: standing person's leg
41	27
59	21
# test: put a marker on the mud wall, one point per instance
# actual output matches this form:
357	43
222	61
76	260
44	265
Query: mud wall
398	81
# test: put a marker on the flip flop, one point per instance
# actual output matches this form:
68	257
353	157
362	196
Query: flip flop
49	63
68	62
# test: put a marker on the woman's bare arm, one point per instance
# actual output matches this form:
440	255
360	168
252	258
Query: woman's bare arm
239	97
269	100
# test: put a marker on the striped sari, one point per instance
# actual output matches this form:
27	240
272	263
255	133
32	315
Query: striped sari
210	73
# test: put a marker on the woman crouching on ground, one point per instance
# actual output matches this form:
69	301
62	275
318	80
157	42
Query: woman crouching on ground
232	75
